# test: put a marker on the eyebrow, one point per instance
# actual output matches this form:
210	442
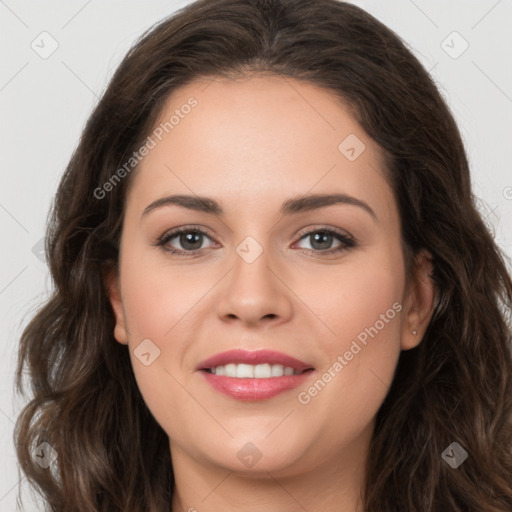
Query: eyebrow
290	206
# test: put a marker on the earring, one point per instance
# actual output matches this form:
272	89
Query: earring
415	332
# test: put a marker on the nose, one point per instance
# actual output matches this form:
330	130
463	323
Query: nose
254	293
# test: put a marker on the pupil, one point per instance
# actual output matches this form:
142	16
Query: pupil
187	240
322	237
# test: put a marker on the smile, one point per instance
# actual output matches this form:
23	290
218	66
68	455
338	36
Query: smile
259	371
254	375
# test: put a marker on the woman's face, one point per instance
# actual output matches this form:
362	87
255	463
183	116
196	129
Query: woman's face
278	269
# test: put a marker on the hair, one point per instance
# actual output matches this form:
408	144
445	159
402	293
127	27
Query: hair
456	386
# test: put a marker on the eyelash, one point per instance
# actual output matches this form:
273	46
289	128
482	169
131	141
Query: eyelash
347	242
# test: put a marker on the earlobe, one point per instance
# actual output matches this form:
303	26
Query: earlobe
419	301
111	280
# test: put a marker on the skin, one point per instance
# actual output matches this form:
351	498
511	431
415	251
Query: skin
251	144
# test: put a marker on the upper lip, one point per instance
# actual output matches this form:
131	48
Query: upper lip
242	356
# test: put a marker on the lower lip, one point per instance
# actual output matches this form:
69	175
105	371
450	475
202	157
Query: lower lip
254	389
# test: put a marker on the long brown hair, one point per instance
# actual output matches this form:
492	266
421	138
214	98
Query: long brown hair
456	386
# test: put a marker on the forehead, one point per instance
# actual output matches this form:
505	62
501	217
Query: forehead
259	138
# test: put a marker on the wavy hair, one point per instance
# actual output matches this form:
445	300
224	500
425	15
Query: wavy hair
455	386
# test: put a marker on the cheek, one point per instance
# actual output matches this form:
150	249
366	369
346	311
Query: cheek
362	308
159	298
366	302
162	304
360	298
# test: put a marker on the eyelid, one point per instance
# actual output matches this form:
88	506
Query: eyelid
322	227
171	233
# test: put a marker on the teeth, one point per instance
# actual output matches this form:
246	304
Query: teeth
258	371
244	371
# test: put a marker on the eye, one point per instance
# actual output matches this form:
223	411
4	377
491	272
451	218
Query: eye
321	241
190	239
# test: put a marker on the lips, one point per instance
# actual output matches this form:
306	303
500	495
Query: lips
252	379
254	357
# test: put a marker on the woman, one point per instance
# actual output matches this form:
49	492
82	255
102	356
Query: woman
273	290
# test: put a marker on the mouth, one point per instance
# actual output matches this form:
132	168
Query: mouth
254	375
253	364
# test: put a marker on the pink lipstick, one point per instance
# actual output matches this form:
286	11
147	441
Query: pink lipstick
254	375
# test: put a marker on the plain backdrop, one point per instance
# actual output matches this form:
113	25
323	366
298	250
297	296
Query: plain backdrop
45	100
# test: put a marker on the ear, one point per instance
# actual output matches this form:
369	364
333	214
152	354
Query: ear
111	279
419	303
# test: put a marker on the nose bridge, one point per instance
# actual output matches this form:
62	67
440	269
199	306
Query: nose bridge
252	291
252	280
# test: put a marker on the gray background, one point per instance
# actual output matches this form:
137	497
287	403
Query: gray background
45	102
